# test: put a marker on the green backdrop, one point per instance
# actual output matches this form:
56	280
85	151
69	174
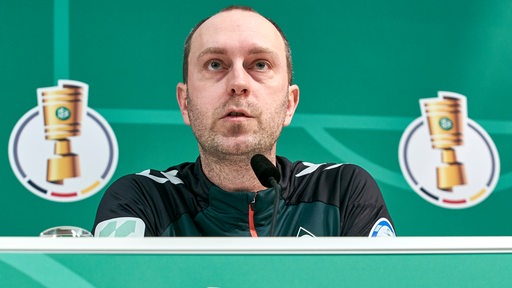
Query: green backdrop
362	67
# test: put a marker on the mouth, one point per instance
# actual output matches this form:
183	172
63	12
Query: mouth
237	114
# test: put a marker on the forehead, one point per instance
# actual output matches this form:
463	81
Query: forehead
237	30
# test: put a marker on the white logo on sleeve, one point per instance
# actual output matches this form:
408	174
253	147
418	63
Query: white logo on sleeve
313	167
121	227
382	228
169	176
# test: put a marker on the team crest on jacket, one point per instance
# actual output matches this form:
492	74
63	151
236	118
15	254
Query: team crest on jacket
303	232
62	150
447	158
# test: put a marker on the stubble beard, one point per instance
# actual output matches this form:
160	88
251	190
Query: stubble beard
238	140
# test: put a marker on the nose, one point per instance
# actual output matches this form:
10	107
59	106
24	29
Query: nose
238	81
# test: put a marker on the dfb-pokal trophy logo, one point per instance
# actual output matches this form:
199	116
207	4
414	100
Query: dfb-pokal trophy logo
447	158
62	150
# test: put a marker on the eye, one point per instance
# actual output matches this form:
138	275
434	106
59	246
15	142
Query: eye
261	65
214	65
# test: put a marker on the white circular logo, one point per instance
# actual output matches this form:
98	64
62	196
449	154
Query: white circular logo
60	152
448	160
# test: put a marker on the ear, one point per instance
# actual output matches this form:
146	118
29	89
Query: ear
181	96
293	101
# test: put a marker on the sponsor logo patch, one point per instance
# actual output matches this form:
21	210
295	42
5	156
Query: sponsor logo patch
121	227
382	228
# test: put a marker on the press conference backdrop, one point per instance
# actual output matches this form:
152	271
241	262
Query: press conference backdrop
364	68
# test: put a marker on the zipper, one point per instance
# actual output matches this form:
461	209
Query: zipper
252	228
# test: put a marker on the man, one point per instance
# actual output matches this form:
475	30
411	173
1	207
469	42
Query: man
237	95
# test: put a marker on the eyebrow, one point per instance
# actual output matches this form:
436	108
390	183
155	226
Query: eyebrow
221	51
265	53
261	50
211	50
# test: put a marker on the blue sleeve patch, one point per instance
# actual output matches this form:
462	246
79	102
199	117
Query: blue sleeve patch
382	228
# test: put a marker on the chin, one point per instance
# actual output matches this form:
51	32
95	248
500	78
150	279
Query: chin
240	145
238	148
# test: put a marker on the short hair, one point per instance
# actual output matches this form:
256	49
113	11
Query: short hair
187	47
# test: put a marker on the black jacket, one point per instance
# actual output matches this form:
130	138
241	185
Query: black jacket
316	200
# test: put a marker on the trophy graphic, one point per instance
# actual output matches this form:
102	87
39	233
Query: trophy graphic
446	116
62	108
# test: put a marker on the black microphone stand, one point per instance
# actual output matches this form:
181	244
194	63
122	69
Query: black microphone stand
277	190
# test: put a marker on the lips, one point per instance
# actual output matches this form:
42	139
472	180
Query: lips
237	113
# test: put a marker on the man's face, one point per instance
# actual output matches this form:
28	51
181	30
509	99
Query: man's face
237	99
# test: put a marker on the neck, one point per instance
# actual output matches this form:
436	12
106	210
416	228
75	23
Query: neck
232	173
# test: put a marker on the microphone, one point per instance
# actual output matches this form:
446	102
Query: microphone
269	176
265	170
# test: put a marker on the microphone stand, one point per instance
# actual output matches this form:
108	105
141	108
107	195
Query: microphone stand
277	190
269	176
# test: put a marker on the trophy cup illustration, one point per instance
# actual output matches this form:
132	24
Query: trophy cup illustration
446	119
63	108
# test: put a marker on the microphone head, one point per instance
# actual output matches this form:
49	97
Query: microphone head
264	170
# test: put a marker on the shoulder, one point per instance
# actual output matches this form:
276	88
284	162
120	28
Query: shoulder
309	170
326	182
152	180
